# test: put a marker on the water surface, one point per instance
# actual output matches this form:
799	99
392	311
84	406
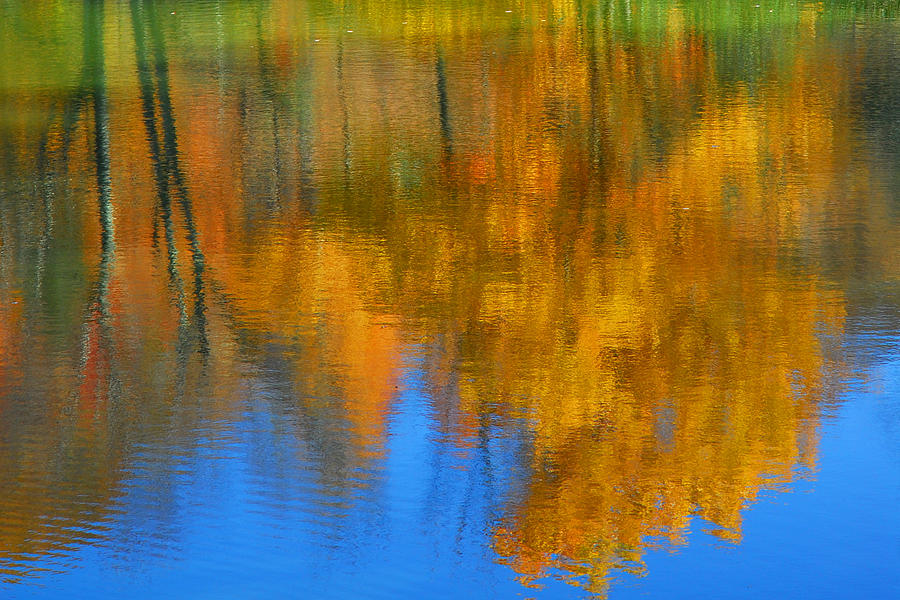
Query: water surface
449	299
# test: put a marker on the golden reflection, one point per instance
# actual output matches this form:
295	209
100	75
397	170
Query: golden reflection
594	230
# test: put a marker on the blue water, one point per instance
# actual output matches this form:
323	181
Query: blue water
426	519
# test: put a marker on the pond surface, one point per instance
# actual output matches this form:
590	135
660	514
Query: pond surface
449	299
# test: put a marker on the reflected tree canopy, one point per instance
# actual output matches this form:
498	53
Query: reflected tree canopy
622	234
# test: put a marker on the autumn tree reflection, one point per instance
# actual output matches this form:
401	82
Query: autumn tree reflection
600	226
87	417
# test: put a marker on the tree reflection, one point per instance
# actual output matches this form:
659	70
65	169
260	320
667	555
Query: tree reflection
597	236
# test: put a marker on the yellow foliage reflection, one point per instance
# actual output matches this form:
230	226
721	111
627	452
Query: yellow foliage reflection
607	234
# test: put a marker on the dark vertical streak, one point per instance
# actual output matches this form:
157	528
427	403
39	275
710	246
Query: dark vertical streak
99	312
45	193
594	70
345	114
70	118
267	87
93	49
170	149
164	208
46	168
305	147
443	107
